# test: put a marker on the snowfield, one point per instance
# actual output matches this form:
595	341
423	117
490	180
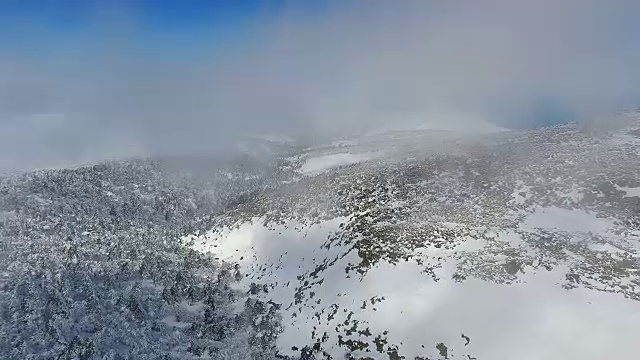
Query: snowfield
533	319
319	164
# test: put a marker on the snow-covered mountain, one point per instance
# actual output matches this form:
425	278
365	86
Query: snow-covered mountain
442	244
407	243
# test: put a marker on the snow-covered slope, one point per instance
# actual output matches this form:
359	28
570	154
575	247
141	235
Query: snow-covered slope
418	244
520	245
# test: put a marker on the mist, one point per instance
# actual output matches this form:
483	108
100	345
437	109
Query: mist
355	66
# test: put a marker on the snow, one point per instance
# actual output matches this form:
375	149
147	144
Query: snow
522	193
537	320
605	247
574	195
171	321
620	140
319	164
229	244
629	191
186	312
576	220
344	142
533	319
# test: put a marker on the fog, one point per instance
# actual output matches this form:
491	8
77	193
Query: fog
513	63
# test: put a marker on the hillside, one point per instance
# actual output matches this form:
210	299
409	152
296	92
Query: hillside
416	244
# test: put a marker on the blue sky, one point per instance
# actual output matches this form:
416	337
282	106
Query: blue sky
170	28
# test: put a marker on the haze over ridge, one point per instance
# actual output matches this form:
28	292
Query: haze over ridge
130	89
